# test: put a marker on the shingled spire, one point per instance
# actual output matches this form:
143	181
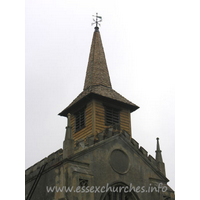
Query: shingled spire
97	71
97	81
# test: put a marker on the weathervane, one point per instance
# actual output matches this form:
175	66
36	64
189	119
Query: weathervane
97	20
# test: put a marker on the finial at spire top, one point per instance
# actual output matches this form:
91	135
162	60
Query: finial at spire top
97	21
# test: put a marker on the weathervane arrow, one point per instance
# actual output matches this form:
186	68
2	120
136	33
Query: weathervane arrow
97	20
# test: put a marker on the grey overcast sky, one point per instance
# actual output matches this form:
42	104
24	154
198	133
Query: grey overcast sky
139	44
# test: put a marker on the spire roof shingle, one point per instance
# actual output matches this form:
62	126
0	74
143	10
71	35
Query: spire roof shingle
97	71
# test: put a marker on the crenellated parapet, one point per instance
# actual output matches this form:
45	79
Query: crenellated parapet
107	133
91	141
51	160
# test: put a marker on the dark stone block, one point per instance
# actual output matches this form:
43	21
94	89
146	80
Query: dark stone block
109	132
90	140
117	127
135	143
144	152
100	136
124	133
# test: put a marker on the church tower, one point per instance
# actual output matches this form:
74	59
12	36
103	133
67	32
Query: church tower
98	106
99	159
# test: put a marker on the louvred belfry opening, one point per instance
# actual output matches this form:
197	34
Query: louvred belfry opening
112	116
79	120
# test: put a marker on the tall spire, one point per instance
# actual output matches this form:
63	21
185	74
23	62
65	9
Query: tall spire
161	164
97	71
97	80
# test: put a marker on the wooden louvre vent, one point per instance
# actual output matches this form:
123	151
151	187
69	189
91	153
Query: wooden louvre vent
112	116
79	120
